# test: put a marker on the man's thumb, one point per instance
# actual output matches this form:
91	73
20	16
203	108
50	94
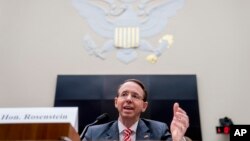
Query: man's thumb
175	107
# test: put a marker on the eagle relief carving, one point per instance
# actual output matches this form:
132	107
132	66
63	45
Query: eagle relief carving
126	24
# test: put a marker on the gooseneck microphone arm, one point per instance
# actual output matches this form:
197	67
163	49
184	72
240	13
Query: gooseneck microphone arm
103	117
86	128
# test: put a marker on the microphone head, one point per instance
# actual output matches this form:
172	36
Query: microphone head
102	118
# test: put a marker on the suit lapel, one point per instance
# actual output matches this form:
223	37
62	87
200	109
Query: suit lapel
113	132
142	132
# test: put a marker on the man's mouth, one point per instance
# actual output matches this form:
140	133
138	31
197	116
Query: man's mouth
128	108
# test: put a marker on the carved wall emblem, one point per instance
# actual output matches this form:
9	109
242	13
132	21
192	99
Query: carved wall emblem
126	24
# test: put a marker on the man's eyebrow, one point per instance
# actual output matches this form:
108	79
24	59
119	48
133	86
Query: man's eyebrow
135	93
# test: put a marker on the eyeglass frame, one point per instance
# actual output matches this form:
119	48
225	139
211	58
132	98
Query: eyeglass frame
134	96
140	84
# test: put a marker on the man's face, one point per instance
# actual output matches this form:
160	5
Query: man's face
130	102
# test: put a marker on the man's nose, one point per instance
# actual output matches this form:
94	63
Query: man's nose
129	97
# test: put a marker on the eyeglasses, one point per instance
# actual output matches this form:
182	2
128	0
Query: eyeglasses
134	96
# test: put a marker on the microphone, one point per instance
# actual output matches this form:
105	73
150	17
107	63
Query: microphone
100	119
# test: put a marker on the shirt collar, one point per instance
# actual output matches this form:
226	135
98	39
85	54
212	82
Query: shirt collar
121	127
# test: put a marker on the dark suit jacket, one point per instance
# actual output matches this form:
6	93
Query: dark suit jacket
146	130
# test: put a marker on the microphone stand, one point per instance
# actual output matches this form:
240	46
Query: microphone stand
102	117
86	128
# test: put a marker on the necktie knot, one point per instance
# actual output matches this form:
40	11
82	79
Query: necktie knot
127	134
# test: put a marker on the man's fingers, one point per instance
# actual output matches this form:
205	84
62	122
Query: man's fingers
175	107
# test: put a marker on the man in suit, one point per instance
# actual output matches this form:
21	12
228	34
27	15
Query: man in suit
130	102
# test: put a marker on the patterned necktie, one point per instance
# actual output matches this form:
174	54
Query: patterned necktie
127	134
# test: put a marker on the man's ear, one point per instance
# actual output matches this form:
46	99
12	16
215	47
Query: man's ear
115	102
145	105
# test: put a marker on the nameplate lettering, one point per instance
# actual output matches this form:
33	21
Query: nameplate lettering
40	115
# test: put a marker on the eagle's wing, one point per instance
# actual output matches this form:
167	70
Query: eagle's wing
95	16
158	16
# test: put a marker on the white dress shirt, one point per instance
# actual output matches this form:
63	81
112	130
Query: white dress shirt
121	128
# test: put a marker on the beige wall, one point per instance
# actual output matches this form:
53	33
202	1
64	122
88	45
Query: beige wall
40	39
